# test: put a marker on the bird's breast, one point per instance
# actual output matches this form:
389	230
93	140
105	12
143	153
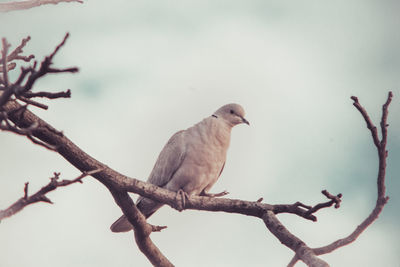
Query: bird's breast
205	156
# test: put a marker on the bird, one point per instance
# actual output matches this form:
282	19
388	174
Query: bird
191	161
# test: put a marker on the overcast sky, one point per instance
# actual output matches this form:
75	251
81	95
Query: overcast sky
151	68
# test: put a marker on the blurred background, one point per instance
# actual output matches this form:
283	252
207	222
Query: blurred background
151	68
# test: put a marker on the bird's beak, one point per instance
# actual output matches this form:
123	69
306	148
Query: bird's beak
245	121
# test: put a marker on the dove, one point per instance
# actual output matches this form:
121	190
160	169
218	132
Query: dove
191	161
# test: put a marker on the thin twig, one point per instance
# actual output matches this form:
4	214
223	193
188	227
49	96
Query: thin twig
4	62
45	67
15	55
33	102
40	196
370	125
49	95
10	66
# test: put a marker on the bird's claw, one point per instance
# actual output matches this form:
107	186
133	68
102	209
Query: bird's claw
221	194
181	197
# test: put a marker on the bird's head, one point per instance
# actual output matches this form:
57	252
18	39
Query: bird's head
233	114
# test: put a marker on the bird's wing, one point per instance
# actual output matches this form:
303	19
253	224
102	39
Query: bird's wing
223	165
167	164
169	160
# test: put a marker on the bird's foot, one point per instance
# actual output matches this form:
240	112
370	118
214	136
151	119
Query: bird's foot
221	194
181	197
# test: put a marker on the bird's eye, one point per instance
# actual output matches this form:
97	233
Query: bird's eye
231	111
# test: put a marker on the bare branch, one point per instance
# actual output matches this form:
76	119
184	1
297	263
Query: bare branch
66	94
8	126
45	67
305	253
16	54
307	211
10	66
4	61
50	58
381	196
21	5
33	103
22	92
370	125
334	200
141	229
40	196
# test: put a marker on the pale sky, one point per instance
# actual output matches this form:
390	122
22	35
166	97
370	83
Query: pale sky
151	68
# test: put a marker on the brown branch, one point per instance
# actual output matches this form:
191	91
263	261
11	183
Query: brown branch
307	211
381	191
45	68
333	200
16	54
21	5
33	102
66	94
141	229
15	129
28	131
22	92
305	253
4	62
10	66
23	74
370	125
40	196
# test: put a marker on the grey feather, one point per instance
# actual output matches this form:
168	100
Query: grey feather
169	160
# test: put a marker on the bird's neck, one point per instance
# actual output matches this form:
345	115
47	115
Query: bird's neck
216	131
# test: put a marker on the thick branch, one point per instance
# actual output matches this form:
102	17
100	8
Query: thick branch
305	253
141	228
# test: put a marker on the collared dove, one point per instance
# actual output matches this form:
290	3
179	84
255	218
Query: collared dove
191	161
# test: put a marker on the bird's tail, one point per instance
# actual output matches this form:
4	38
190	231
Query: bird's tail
121	225
145	205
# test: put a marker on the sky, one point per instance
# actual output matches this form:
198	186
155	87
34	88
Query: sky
151	68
